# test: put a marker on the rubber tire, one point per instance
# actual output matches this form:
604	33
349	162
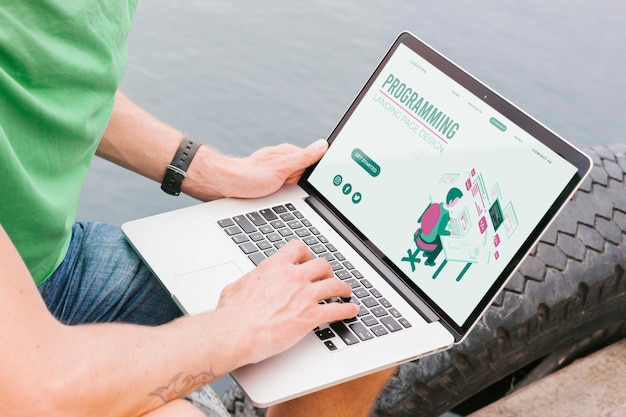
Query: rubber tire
567	299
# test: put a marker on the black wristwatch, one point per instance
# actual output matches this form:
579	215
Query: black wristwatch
176	171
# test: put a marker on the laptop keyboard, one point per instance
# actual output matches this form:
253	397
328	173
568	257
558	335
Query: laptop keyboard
260	234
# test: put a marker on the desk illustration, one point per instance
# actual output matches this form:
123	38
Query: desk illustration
455	250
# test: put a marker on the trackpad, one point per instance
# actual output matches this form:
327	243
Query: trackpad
200	290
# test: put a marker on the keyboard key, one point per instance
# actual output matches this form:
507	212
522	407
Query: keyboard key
234	230
278	224
335	265
330	345
391	324
312	240
256	236
318	248
343	274
245	224
324	334
366	283
268	214
256	218
404	322
279	209
240	238
287	217
226	222
385	302
248	248
361	331
285	232
361	292
369	320
265	229
363	311
379	330
344	333
353	283
369	301
264	244
294	224
326	256
379	311
303	232
256	258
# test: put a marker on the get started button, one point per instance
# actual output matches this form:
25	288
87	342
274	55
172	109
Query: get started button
365	162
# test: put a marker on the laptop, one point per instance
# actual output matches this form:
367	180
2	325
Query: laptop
432	191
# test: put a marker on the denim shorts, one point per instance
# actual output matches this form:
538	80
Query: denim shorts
102	279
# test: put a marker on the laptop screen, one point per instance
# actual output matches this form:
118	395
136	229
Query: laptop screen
446	178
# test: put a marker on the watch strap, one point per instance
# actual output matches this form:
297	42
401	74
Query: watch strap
176	171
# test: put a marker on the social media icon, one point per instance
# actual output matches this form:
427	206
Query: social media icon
347	189
356	198
337	180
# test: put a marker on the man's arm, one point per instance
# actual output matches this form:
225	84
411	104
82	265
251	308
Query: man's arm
47	368
142	143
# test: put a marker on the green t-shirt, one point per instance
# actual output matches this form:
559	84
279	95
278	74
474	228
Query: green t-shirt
61	62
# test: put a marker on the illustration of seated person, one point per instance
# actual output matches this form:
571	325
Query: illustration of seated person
433	224
476	240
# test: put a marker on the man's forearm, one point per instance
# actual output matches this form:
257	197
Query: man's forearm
134	369
138	141
47	368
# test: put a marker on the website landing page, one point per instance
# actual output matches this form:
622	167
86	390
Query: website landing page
446	187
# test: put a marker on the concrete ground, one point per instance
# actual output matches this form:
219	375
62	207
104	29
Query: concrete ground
591	386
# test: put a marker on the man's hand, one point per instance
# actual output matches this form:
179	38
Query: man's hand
278	302
213	175
144	144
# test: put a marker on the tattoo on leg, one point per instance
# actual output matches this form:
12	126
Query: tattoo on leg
181	385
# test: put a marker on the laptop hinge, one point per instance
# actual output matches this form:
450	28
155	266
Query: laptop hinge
374	257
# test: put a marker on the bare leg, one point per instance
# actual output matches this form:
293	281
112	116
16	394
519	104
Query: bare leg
176	408
351	399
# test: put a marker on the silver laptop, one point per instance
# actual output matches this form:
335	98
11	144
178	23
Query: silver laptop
432	191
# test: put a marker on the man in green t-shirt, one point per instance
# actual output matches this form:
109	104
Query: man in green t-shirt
115	344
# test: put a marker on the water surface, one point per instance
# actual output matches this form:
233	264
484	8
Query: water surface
241	75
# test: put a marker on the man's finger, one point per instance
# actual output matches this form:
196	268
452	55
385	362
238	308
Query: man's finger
295	252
